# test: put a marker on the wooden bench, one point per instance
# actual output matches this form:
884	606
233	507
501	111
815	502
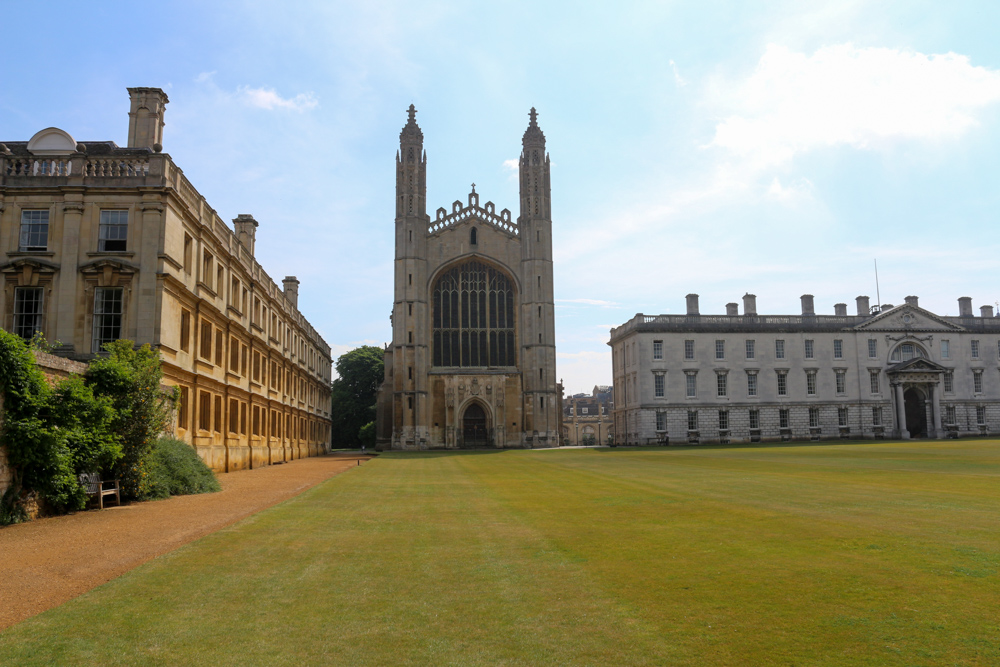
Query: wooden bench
92	484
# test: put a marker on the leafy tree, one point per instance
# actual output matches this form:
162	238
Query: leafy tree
131	378
361	373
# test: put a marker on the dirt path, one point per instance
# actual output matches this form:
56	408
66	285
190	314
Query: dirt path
49	561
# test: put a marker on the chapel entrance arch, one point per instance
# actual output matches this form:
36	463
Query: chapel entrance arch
475	431
916	412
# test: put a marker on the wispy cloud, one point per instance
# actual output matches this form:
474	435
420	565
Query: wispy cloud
678	79
268	98
205	77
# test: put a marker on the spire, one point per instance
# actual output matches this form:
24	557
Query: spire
533	135
411	131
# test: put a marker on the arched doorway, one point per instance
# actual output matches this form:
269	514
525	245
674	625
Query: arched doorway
916	413
474	433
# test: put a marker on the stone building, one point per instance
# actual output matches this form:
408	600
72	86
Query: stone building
587	420
99	242
889	371
472	361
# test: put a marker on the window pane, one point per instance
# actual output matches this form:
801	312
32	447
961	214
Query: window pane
28	311
34	230
107	316
113	231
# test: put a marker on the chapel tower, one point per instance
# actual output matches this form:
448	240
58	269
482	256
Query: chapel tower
472	357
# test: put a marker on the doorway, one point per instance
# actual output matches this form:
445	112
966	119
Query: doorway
916	413
474	432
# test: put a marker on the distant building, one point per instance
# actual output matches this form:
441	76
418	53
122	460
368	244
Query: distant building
587	419
900	372
472	361
99	242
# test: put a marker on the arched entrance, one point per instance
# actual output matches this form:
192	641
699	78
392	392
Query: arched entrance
916	413
474	432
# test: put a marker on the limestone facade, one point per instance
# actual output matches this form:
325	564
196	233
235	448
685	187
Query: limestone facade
889	371
99	242
587	420
472	362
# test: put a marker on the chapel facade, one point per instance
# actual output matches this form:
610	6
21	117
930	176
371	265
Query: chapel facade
886	372
472	362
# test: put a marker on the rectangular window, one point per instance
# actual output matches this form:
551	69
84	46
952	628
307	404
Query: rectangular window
34	231
205	349
813	417
977	381
841	382
691	380
692	420
107	316
234	354
723	420
220	347
218	414
874	377
783	418
204	411
658	385
243	418
185	330
234	416
720	349
872	348
949	415
949	382
755	419
657	349
811	383
661	420
810	349
255	425
751	351
975	349
689	349
980	415
779	349
584	411
945	349
876	415
782	383
112	231
188	245
256	366
721	383
28	311
838	349
182	409
842	416
751	384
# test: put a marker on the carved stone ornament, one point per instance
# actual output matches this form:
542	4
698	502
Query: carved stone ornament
474	389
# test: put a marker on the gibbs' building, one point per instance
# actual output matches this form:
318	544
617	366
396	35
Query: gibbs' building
472	361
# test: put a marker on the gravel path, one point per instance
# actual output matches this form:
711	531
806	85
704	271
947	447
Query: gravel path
49	561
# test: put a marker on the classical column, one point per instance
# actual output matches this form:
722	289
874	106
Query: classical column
936	401
901	413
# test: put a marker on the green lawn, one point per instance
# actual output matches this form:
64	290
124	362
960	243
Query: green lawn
853	554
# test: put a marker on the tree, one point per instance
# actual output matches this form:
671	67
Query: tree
131	379
360	373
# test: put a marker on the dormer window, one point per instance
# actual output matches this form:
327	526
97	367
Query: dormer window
473	236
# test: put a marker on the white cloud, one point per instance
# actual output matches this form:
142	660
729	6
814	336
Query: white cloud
844	95
204	76
268	98
678	79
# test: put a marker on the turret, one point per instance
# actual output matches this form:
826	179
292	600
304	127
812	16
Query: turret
411	170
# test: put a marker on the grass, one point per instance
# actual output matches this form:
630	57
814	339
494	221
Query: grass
860	554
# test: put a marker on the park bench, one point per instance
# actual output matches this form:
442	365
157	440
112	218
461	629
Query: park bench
92	484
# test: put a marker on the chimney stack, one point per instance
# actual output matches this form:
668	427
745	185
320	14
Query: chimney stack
291	287
145	118
692	300
749	304
246	230
864	309
807	305
986	311
732	309
840	309
965	306
913	301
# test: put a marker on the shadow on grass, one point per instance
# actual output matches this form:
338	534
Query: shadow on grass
791	443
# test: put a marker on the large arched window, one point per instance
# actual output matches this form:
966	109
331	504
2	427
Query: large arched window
907	351
473	307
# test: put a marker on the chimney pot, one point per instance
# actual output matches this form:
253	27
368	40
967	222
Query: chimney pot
145	118
807	305
692	304
291	289
840	309
749	304
965	306
913	301
732	309
986	311
246	230
864	309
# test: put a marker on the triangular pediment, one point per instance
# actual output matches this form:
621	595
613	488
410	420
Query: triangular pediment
917	365
907	318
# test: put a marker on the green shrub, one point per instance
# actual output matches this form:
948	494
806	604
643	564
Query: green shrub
175	469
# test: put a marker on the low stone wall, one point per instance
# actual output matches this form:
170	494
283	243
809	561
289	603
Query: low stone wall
54	368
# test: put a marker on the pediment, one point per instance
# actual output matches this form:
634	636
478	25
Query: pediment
907	318
917	365
52	141
34	263
99	265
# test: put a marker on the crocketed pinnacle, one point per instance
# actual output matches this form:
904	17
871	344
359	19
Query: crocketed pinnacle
411	131
533	135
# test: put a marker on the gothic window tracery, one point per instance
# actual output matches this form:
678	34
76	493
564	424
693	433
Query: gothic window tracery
473	317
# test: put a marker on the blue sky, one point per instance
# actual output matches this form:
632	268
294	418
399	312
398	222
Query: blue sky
708	147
